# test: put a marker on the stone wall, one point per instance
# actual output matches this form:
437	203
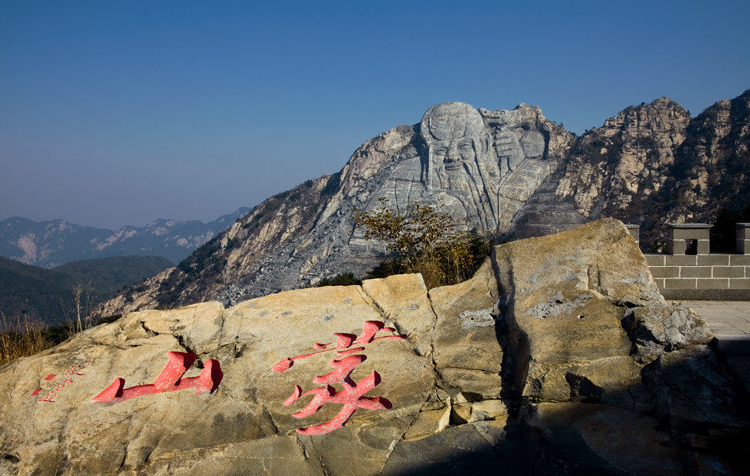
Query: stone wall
690	271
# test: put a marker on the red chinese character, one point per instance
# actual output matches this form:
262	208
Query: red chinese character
169	380
352	394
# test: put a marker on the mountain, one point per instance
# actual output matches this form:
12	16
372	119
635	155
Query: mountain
47	296
51	243
509	173
650	165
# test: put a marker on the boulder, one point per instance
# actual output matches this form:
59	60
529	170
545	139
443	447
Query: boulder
243	425
577	303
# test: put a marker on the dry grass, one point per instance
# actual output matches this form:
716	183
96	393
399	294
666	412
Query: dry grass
20	338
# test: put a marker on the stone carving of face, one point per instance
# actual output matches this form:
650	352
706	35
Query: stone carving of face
457	145
459	169
454	154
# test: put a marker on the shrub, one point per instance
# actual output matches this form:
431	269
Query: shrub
423	239
344	279
21	336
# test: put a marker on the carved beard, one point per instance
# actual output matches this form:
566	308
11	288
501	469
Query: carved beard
458	175
473	182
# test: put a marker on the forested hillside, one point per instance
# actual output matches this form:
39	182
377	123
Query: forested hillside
51	296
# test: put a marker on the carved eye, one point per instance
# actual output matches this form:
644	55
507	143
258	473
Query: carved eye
441	150
464	146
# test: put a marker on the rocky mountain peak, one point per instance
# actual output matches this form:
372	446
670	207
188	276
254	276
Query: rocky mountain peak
627	157
497	172
660	115
713	163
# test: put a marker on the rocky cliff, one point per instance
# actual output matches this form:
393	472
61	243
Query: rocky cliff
612	170
502	173
649	165
558	357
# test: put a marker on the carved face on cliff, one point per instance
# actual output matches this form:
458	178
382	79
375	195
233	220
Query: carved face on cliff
459	167
457	142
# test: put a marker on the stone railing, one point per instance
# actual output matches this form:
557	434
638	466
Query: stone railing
691	271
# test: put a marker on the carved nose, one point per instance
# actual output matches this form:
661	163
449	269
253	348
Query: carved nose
451	155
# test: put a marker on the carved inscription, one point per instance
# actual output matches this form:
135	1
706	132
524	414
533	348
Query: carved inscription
64	382
351	396
169	380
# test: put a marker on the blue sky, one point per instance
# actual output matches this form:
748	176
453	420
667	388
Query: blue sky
121	112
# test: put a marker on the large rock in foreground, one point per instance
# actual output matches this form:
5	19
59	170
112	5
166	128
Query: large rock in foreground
555	348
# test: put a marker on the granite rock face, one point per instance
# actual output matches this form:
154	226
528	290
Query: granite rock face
615	170
637	147
588	316
556	348
650	164
479	165
243	427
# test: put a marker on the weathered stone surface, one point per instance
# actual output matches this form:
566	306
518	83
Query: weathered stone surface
689	388
467	354
531	366
474	448
657	329
405	296
243	426
564	308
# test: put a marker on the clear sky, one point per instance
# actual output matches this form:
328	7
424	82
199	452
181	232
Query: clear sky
121	112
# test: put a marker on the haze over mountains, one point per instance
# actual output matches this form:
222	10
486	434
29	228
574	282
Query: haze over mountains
510	173
51	243
45	262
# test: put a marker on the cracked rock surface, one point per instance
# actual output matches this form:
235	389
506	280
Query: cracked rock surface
558	357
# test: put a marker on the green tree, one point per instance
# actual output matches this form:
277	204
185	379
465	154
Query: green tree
423	239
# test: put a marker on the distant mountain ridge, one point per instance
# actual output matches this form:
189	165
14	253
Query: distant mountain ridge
51	243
